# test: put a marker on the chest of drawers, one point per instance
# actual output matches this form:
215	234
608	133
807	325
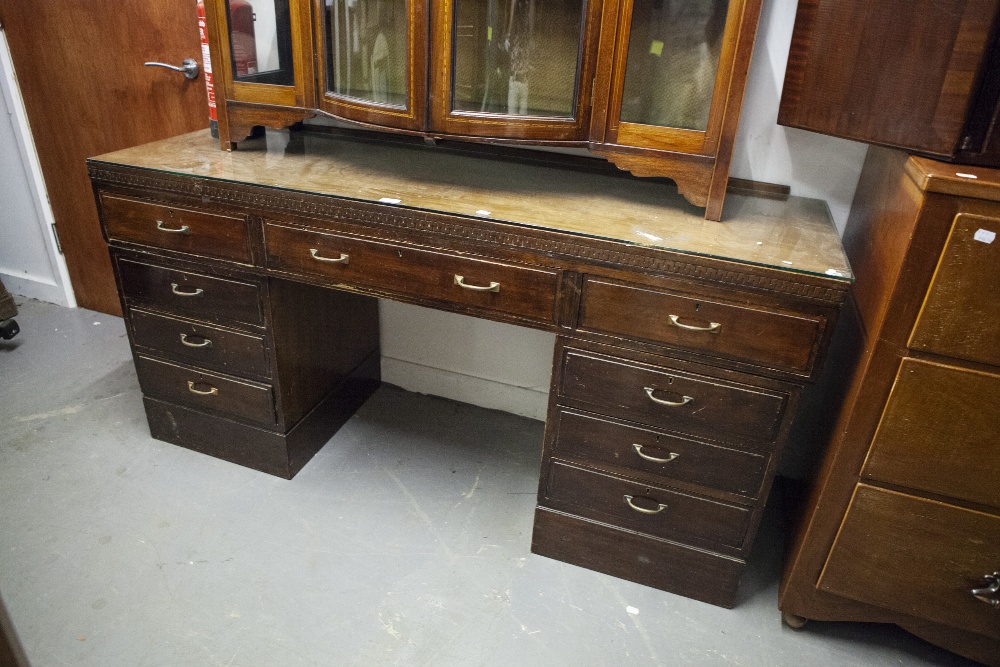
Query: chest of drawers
682	346
903	525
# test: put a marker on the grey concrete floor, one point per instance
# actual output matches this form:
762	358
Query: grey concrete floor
405	541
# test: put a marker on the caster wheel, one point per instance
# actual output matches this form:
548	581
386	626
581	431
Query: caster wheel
793	621
9	329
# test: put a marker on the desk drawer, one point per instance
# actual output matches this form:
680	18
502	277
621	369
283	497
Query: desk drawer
200	344
747	333
252	401
643	508
193	294
916	556
677	401
525	293
174	228
938	433
593	438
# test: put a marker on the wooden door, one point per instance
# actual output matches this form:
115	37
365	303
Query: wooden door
79	65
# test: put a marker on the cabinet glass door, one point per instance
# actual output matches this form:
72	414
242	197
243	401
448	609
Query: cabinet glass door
374	68
265	54
671	69
514	68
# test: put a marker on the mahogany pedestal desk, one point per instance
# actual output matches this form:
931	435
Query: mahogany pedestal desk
248	283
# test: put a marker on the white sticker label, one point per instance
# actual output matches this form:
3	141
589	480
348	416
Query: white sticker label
482	212
389	200
985	236
961	175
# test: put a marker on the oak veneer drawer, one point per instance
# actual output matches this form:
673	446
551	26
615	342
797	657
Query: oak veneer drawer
201	344
175	228
525	293
916	556
187	293
674	400
748	333
960	316
597	439
644	508
938	433
252	401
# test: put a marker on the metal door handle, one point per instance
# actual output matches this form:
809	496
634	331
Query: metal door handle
189	67
671	404
989	592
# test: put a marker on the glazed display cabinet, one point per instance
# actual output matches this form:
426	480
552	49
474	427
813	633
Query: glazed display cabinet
655	88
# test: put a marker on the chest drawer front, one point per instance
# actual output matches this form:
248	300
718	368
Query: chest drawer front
676	401
200	389
939	433
765	337
175	228
523	292
188	293
592	438
200	344
960	316
643	508
916	556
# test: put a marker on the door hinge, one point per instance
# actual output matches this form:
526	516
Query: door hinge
55	235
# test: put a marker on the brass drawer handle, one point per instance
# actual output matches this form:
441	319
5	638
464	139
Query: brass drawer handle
654	459
713	327
174	288
990	593
205	342
343	259
659	507
183	229
460	281
670	404
214	391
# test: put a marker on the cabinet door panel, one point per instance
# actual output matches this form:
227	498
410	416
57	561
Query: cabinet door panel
373	60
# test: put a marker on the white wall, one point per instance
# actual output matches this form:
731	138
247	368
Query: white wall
29	263
505	367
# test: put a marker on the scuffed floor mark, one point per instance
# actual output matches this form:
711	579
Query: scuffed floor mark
421	514
472	491
71	410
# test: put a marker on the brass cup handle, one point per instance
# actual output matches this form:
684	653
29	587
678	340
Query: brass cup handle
659	506
989	592
713	327
214	391
343	259
671	404
205	342
183	229
175	288
654	459
460	281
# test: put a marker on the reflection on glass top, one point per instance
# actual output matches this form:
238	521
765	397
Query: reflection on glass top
517	57
793	234
673	55
260	38
366	50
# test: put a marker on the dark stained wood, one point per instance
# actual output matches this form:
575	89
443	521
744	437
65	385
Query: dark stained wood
916	556
896	72
194	294
200	344
939	433
728	330
659	563
539	248
526	293
174	228
595	440
601	497
899	224
708	407
80	70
